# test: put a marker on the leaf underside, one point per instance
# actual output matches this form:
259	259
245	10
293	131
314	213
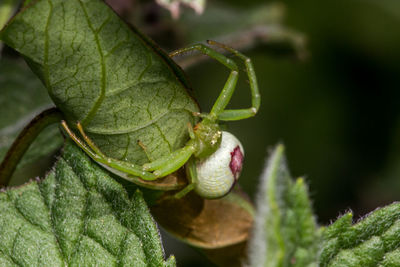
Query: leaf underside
101	73
373	241
77	216
285	231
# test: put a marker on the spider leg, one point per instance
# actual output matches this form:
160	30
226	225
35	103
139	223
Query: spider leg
238	114
229	87
143	146
170	163
110	163
192	177
223	99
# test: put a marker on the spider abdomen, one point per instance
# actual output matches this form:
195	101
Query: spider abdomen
218	173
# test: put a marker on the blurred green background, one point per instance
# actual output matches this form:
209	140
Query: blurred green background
335	107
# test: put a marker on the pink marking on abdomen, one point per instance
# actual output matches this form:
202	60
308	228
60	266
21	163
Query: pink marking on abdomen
236	162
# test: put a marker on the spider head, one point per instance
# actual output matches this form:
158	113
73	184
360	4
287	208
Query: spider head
208	138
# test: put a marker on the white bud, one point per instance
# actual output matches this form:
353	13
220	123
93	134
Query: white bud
218	173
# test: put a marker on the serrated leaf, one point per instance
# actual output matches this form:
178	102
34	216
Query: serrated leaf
77	216
22	97
99	71
372	241
285	231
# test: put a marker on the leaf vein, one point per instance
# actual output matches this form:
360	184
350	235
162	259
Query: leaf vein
130	130
84	219
164	137
100	99
49	209
46	50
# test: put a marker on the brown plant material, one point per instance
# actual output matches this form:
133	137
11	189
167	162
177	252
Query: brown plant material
232	256
204	223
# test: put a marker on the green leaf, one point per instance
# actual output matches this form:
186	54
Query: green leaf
285	231
99	71
77	216
22	97
372	241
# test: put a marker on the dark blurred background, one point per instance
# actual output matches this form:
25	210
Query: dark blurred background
333	101
338	110
335	107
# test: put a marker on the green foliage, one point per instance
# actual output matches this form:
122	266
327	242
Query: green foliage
100	72
372	241
285	229
286	233
22	98
79	216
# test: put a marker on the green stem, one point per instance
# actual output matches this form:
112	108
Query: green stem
24	140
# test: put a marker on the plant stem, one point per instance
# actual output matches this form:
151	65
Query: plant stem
24	140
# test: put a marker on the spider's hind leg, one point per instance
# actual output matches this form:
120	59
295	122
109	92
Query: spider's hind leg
113	164
191	174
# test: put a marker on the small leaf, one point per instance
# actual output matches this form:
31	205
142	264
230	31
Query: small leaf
77	216
285	231
372	241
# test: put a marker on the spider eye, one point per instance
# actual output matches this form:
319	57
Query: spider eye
218	173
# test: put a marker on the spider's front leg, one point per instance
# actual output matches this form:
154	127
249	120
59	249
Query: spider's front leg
170	163
218	111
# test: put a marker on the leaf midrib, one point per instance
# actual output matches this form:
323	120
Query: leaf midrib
100	99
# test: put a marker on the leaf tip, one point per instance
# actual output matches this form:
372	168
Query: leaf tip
300	181
280	148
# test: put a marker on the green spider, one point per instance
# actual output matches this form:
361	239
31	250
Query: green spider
213	158
128	100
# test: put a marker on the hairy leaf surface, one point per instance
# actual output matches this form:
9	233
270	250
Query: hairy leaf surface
372	241
77	216
102	73
285	231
